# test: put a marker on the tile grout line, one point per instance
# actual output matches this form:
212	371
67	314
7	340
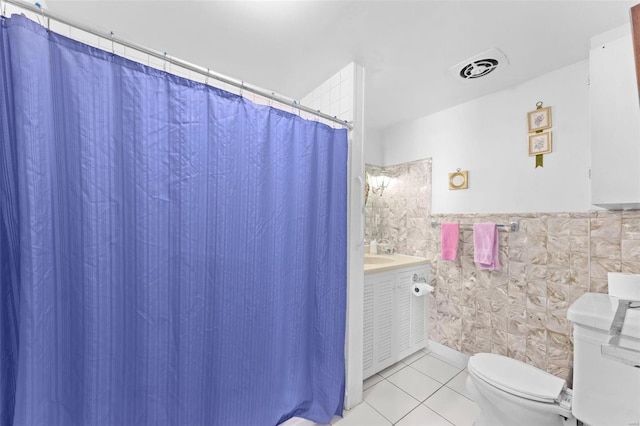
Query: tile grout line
459	393
430	377
415	408
405	365
462	395
419	402
393	384
374	409
415	399
410	411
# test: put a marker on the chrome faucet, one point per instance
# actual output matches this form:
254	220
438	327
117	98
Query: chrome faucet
384	246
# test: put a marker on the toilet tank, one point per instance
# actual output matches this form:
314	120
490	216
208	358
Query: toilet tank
605	391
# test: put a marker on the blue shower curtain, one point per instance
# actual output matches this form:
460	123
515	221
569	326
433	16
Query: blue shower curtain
170	254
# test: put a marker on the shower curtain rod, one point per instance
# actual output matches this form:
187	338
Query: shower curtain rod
184	64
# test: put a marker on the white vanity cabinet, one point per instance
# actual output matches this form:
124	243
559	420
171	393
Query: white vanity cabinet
615	121
395	321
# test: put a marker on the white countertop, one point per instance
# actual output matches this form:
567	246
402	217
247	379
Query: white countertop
374	263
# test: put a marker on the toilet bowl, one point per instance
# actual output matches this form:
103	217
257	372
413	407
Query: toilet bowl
606	373
510	392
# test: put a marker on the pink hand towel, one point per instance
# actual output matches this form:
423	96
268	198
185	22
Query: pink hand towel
449	233
485	245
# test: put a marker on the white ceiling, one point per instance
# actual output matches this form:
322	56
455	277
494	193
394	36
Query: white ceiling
406	47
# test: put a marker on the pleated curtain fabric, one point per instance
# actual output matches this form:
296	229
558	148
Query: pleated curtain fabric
171	254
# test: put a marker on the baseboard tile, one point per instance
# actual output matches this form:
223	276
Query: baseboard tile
447	354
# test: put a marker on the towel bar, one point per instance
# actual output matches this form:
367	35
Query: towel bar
511	227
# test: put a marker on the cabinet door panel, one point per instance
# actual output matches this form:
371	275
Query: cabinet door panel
368	332
615	125
419	316
404	314
419	321
384	310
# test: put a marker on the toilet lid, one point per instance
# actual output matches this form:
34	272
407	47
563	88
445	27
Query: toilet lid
516	377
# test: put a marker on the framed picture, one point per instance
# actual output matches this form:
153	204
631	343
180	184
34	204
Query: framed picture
635	30
539	119
459	179
540	143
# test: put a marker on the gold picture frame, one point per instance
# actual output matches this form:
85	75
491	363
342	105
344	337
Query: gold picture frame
539	119
540	143
459	179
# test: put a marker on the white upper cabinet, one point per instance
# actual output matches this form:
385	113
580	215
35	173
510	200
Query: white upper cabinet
615	122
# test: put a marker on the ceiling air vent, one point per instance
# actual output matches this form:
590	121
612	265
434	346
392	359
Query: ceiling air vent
480	65
480	68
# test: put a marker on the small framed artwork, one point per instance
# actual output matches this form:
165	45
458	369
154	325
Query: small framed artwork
540	143
459	179
539	119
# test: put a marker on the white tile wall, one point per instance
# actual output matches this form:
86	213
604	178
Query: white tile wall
334	97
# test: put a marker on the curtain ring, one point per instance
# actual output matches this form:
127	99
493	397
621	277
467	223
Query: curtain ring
39	6
36	4
47	20
206	80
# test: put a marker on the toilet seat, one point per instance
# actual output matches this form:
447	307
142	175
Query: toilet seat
516	377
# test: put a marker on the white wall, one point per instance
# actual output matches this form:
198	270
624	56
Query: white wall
373	147
488	137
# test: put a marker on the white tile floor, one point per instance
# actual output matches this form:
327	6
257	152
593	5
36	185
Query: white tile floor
419	390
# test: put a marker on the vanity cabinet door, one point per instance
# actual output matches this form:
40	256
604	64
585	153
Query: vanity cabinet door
378	320
420	318
368	331
411	313
384	322
403	313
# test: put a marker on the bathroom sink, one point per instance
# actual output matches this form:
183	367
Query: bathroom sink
372	259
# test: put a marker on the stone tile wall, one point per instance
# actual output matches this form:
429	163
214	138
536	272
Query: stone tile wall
400	214
520	310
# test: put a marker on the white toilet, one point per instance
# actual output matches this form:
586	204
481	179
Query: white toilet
510	392
606	389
